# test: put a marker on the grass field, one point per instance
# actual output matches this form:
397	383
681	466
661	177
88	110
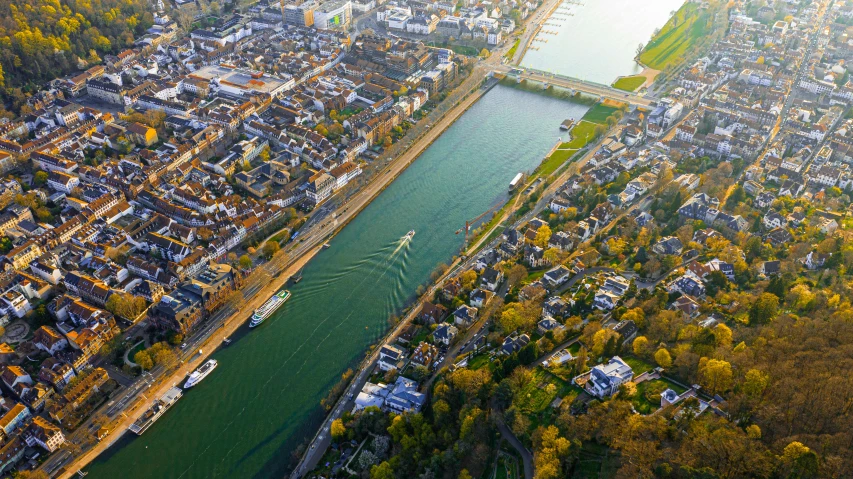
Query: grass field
599	113
556	159
676	37
629	83
638	365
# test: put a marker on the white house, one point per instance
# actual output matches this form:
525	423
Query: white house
605	379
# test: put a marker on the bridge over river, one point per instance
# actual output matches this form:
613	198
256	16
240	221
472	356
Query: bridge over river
576	85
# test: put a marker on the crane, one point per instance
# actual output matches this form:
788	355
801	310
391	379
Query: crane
470	223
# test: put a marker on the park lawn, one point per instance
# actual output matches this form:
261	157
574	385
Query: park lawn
676	37
638	365
598	114
553	162
630	83
581	133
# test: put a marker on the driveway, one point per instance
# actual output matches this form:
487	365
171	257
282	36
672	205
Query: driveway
526	456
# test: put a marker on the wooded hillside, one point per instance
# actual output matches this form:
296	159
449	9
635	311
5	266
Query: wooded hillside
43	39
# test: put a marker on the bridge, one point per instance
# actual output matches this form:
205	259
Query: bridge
575	85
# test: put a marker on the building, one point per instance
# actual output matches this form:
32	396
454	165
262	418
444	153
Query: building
336	14
300	15
320	187
194	299
44	434
14	418
605	379
400	397
389	358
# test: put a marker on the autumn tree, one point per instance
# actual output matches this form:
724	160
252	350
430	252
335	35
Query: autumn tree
663	358
338	429
764	309
715	375
543	234
270	249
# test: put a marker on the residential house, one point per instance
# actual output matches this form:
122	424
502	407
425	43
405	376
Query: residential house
605	379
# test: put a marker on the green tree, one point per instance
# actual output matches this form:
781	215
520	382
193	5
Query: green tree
270	248
764	309
382	471
40	178
245	262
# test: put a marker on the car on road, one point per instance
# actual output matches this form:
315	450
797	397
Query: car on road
184	346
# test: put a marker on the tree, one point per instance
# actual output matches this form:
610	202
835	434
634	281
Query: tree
338	429
715	375
143	359
663	358
125	305
755	382
516	274
484	53
40	178
640	346
800	460
265	154
382	471
764	309
270	248
469	279
722	336
245	262
543	234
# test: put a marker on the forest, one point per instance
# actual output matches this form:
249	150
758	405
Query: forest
44	39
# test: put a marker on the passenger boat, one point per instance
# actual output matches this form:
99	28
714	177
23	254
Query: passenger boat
200	373
409	235
266	310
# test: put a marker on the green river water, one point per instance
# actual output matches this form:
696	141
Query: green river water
263	399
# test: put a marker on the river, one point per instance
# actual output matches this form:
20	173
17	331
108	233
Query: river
581	36
263	399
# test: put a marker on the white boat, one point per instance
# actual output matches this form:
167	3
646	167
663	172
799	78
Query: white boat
266	310
409	235
200	373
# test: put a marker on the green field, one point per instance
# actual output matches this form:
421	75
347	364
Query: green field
599	113
676	37
638	365
556	159
630	83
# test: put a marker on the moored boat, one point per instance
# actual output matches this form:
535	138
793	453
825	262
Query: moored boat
200	373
